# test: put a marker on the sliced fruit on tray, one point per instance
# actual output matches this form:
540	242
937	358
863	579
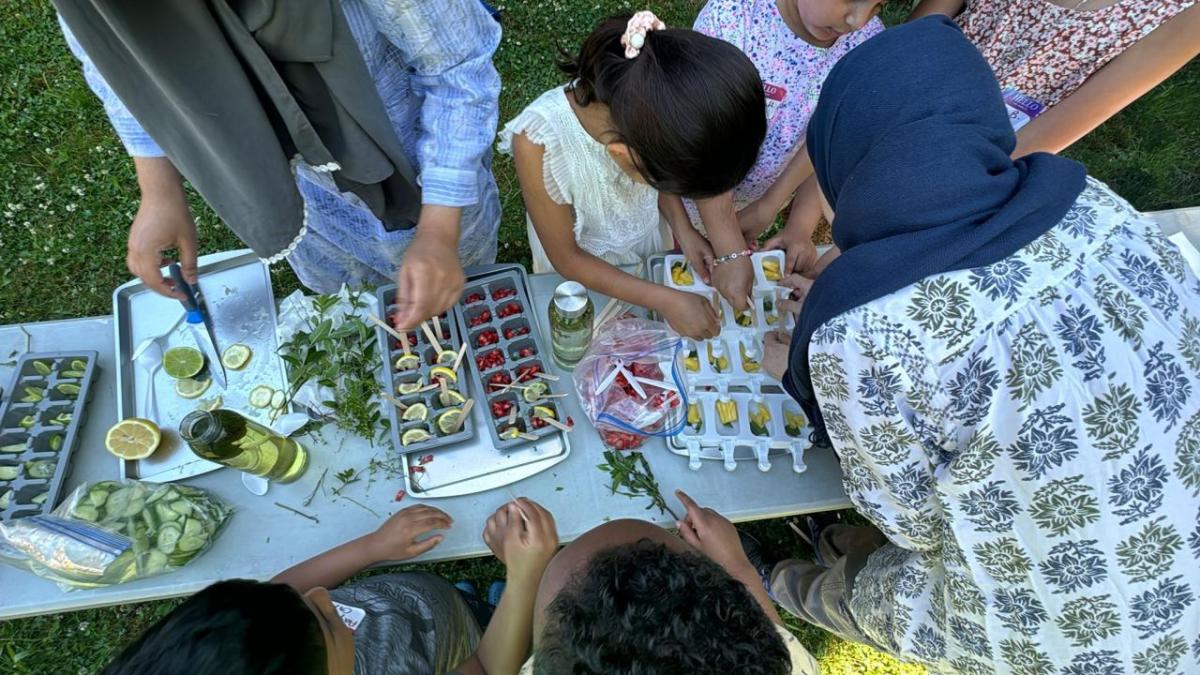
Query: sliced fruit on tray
235	357
442	371
451	397
134	438
535	391
414	436
189	388
447	422
183	362
407	388
447	357
407	362
417	412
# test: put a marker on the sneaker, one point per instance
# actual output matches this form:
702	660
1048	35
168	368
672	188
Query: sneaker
810	528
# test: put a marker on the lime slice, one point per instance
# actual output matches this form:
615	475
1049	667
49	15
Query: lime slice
134	438
183	362
414	436
450	398
189	388
535	390
416	412
235	357
406	388
543	411
442	371
447	357
210	404
408	362
447	422
260	396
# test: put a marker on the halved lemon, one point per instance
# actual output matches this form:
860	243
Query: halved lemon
235	357
451	397
417	412
134	438
442	371
447	357
414	436
183	362
406	388
447	422
535	390
189	388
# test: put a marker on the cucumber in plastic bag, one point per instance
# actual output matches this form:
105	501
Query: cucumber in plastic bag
111	532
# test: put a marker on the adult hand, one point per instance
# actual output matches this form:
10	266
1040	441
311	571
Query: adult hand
734	280
430	279
691	315
697	250
522	534
396	539
777	345
163	222
712	534
800	286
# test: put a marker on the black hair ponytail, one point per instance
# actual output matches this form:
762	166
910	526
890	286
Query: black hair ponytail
689	106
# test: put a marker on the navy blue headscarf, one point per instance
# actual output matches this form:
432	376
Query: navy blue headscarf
911	144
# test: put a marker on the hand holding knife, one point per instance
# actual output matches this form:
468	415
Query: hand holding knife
200	323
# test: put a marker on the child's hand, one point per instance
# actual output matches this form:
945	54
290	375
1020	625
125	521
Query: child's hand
396	539
691	315
796	241
697	250
713	535
524	537
777	346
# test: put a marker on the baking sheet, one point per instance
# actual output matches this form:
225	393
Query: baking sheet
237	290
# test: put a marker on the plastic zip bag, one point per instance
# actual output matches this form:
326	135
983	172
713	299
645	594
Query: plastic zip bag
111	532
630	385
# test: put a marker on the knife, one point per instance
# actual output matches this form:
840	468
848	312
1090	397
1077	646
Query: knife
200	323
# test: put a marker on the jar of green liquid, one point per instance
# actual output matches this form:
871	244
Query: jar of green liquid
571	315
225	437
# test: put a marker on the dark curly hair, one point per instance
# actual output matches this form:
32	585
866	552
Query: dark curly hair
643	609
236	627
690	106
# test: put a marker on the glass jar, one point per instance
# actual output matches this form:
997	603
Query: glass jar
571	315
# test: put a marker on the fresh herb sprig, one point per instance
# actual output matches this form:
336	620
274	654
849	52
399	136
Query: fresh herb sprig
343	359
631	476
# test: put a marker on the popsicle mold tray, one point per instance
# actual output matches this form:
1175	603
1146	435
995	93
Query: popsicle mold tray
740	425
504	346
413	380
40	423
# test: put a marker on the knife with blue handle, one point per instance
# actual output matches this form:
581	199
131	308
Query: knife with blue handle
200	323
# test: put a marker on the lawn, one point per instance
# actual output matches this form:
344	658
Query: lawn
67	195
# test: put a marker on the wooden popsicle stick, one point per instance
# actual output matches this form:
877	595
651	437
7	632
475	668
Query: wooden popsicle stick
548	376
465	412
391	331
428	387
392	399
512	415
458	359
404	343
554	423
506	387
433	340
437	325
517	504
528	437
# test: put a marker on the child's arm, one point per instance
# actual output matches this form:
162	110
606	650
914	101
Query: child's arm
395	540
1119	83
734	279
695	247
950	8
523	536
689	314
759	214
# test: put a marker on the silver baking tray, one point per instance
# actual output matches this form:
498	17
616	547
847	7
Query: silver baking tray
236	286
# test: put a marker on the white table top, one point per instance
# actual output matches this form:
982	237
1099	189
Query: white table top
261	539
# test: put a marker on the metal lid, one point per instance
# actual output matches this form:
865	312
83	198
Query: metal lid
571	299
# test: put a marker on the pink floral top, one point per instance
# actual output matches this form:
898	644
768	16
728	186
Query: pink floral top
792	72
1046	51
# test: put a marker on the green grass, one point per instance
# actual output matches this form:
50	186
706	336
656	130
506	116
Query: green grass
67	195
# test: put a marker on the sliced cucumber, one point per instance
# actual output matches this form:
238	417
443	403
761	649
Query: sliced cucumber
85	512
8	472
97	498
13	448
192	528
190	544
168	536
40	469
40	498
118	502
181	507
164	513
277	400
154	562
260	396
5	496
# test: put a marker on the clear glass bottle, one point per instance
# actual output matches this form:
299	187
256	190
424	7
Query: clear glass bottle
571	316
225	437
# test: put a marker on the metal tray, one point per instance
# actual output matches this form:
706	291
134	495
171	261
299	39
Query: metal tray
518	352
42	425
472	467
420	347
237	290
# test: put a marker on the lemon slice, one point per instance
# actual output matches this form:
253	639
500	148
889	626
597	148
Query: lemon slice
534	391
447	357
235	357
510	433
447	422
543	411
183	362
406	388
134	438
442	371
414	436
189	388
450	398
417	412
408	362
210	404
260	396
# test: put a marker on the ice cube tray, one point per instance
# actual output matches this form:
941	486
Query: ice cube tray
427	353
498	318
38	437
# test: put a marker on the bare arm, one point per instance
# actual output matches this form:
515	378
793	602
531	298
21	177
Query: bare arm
1119	83
950	8
759	214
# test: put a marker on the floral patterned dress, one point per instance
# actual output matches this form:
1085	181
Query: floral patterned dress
1046	51
1027	435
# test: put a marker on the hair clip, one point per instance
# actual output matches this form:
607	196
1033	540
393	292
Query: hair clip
635	32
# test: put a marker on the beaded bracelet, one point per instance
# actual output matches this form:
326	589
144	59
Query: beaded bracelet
731	257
